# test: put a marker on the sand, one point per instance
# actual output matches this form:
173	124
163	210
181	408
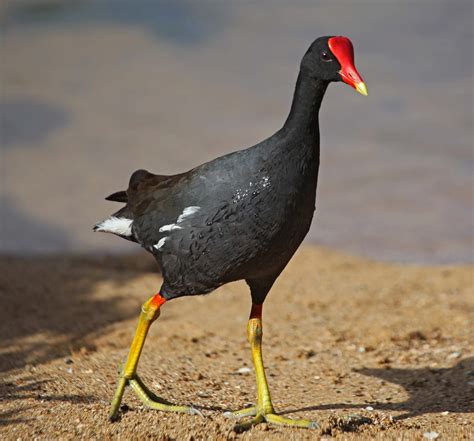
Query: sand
343	336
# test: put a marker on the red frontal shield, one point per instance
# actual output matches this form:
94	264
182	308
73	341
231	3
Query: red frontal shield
343	50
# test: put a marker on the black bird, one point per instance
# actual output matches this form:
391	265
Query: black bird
240	216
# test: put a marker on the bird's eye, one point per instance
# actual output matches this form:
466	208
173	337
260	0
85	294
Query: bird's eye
325	56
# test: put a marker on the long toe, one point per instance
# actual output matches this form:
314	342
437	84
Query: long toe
277	419
242	427
149	399
270	418
115	405
249	411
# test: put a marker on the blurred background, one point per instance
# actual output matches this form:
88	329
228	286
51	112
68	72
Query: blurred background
93	90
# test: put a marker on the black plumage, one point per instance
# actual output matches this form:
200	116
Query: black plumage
240	216
255	205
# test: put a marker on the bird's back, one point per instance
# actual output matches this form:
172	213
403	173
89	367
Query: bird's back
240	216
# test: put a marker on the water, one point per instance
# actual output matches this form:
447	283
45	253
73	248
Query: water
93	90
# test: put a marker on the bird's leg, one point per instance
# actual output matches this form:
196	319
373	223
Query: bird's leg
264	410
254	335
149	313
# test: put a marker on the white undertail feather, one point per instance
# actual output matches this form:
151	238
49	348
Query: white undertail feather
117	225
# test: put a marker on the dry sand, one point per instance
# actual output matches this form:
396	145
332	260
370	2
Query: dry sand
342	336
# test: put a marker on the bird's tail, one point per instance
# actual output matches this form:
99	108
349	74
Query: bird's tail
121	222
118	196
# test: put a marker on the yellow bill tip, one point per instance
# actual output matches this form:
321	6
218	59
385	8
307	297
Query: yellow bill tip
361	88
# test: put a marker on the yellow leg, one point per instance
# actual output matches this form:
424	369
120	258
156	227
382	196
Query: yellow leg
264	410
254	333
149	313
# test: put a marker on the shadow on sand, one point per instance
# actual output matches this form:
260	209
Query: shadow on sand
430	390
47	314
31	388
51	307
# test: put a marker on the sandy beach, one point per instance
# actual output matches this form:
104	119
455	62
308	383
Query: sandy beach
342	336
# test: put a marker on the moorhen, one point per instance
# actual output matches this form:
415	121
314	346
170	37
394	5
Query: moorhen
241	216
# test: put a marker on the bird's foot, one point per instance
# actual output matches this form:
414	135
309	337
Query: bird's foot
248	411
268	416
147	397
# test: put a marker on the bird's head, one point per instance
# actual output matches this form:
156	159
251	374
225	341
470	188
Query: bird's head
332	59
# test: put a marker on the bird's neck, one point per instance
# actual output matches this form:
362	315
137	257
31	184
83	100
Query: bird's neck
303	118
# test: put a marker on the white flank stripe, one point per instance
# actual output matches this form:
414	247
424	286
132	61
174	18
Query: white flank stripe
116	225
188	211
160	243
169	227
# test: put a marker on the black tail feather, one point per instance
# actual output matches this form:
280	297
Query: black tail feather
119	196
